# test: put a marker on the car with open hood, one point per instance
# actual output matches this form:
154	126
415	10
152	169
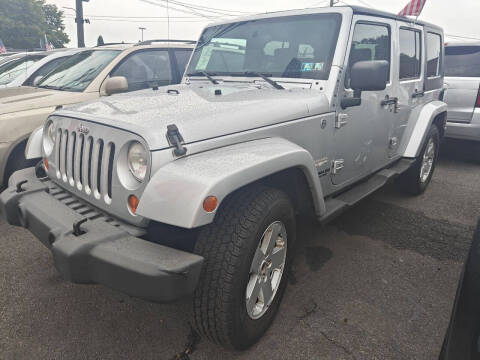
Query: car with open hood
86	75
193	189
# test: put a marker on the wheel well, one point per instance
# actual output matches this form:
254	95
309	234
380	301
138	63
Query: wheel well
440	121
294	183
15	157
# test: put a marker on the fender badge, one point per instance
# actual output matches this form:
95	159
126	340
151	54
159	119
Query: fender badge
82	129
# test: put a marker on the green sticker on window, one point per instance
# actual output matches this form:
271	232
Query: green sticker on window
308	66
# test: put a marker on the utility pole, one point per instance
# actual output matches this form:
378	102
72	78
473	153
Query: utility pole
142	29
331	3
80	21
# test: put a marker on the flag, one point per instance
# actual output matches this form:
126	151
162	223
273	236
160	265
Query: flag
45	44
3	49
413	8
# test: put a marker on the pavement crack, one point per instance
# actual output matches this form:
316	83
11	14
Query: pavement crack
192	342
338	345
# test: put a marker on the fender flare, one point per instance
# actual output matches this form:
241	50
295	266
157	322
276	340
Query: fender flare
175	193
418	129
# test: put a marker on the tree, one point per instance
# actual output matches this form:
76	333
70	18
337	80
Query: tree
100	41
24	22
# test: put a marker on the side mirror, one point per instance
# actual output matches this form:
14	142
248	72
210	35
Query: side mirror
116	84
366	76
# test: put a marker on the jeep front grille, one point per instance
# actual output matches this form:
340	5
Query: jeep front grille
85	162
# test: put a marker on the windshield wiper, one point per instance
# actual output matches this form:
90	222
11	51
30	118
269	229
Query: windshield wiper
50	87
266	78
206	74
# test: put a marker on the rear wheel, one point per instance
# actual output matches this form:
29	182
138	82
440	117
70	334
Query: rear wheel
247	250
417	178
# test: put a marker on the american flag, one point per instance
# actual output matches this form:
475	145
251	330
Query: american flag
3	49
413	8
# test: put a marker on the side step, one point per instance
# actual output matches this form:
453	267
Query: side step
341	202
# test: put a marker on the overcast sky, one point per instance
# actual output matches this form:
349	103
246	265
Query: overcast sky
458	17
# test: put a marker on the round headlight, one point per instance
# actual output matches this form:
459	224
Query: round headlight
137	161
49	138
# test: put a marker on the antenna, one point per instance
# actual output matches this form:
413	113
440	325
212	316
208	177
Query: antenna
168	22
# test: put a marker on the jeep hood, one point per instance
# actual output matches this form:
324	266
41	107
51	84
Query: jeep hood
30	98
200	112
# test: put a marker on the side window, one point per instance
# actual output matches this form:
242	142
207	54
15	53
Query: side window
370	42
182	57
144	69
44	70
410	54
434	53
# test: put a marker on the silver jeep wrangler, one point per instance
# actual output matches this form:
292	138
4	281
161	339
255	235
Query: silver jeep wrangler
194	189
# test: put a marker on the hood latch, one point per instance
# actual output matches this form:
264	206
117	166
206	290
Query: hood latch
175	139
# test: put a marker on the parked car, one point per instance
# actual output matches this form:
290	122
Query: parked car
84	76
16	66
29	75
462	82
193	189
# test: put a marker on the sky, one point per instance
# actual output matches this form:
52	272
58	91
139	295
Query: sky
119	20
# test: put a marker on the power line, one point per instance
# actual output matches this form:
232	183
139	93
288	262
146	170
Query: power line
193	20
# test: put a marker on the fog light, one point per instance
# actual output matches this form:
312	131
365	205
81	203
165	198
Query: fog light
133	203
45	163
210	204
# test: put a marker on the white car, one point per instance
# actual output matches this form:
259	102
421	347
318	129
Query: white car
39	68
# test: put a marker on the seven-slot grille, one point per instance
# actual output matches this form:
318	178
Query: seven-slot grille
85	162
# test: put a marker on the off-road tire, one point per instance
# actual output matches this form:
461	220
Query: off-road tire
410	181
16	161
228	245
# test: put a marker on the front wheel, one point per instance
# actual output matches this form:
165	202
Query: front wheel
417	178
247	250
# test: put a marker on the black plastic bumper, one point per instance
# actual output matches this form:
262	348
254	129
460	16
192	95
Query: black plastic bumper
103	253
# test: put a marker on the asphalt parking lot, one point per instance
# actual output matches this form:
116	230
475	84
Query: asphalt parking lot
377	283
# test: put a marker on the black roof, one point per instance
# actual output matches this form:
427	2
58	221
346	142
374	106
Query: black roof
369	11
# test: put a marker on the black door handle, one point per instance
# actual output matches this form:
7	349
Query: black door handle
389	101
418	94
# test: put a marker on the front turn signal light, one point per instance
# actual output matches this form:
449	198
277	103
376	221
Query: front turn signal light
210	204
133	203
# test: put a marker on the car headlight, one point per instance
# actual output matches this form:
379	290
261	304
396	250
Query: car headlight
137	160
49	136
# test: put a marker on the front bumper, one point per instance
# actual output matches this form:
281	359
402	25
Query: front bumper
464	131
104	252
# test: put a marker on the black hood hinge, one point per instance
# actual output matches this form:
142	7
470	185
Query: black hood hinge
175	139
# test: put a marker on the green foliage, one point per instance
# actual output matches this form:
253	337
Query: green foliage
100	41
24	22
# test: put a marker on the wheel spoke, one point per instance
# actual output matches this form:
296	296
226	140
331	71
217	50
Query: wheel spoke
254	286
257	260
267	291
271	237
278	258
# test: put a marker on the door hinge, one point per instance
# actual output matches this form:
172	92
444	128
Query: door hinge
341	120
337	166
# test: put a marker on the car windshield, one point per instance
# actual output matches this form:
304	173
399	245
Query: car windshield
291	47
13	69
76	73
462	61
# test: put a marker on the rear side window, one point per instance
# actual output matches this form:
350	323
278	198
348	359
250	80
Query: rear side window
370	42
434	53
462	61
145	69
410	54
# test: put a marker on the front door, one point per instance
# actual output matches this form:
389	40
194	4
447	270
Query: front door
362	132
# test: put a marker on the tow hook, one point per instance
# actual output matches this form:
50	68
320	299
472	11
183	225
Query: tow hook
175	139
20	184
77	231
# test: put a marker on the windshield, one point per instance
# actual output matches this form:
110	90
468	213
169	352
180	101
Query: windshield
462	61
291	47
13	69
76	73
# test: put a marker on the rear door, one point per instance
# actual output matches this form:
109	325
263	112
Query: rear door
462	80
